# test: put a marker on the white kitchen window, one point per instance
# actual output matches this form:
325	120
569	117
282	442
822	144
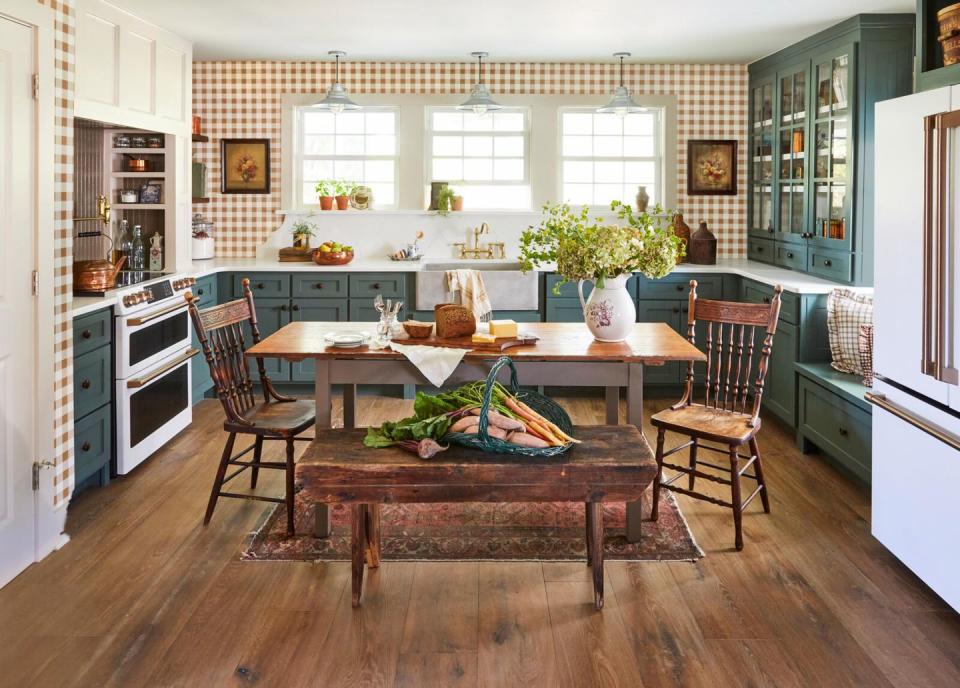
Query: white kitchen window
354	146
484	158
605	157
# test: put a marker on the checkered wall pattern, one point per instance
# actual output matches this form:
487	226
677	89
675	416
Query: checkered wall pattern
242	99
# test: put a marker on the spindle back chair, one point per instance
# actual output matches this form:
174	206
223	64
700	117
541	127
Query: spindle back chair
277	417
729	414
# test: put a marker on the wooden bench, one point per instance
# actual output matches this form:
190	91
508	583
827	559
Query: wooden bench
614	463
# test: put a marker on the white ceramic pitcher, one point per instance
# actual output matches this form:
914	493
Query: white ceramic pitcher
609	312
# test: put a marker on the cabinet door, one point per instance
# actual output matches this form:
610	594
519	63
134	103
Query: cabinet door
761	170
564	310
669	312
780	384
793	87
314	310
833	154
272	314
200	370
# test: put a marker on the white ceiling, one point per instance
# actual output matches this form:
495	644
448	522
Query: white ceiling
521	30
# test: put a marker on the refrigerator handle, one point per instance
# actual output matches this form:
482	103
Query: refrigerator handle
945	436
927	363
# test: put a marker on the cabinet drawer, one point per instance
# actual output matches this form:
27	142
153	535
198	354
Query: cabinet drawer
569	290
92	441
393	285
838	427
273	284
836	265
761	250
564	310
206	291
321	286
793	257
91	331
362	310
755	292
677	286
91	381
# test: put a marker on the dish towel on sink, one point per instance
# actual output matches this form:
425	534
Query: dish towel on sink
473	293
436	363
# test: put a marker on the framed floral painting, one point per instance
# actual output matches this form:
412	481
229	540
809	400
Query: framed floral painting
244	166
711	168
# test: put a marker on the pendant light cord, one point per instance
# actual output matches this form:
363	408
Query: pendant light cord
621	71
337	77
479	69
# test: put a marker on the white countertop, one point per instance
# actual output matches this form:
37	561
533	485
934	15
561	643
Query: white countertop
796	282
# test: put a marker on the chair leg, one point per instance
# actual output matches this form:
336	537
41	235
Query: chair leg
737	503
289	490
257	454
218	481
693	462
373	535
595	509
655	509
588	518
758	470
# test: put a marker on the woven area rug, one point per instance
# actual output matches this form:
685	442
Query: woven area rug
476	531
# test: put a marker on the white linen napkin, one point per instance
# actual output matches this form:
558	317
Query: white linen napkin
436	363
473	292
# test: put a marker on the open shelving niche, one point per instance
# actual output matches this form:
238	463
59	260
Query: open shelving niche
152	217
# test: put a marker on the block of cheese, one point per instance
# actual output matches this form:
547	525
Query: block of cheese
503	328
482	338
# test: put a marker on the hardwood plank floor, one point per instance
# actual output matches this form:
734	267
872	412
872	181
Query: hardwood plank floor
145	596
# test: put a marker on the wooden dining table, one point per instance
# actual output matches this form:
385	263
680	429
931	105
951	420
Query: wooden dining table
565	355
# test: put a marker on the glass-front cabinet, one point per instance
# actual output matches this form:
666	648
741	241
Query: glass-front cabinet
761	156
810	184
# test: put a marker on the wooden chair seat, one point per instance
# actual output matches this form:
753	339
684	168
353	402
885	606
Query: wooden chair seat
707	422
277	418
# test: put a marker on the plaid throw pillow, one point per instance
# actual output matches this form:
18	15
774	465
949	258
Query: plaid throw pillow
865	349
846	311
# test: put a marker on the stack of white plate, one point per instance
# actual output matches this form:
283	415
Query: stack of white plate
347	340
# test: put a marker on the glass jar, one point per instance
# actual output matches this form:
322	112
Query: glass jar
202	242
155	141
138	142
121	141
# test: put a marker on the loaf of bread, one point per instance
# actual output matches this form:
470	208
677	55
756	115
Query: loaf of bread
417	329
454	320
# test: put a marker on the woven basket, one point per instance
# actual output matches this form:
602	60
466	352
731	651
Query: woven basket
545	406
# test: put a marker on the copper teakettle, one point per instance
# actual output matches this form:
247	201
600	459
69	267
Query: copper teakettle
96	275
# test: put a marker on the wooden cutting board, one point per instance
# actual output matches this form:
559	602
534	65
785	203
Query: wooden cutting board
502	343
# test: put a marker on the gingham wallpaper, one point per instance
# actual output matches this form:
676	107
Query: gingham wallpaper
63	246
242	99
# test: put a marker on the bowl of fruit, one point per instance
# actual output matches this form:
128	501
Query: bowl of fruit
332	253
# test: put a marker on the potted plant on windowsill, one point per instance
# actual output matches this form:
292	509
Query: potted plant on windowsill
323	193
445	200
585	249
342	191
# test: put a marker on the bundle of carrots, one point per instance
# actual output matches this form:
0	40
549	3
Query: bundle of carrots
520	425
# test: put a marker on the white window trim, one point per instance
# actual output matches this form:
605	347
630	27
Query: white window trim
657	158
545	171
300	156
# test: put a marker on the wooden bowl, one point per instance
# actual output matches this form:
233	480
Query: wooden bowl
417	329
332	258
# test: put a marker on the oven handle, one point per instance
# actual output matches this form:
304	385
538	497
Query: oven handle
141	381
136	322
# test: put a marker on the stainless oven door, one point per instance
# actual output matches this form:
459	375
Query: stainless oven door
152	408
144	339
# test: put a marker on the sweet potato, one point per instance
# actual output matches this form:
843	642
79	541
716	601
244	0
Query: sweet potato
465	423
524	439
492	430
500	420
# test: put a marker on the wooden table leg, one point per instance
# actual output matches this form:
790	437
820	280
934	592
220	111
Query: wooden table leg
634	417
349	406
358	531
588	532
321	514
595	518
373	535
613	405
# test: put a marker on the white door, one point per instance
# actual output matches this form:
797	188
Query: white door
17	310
898	239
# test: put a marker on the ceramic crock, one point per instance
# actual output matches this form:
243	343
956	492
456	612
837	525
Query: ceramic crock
609	311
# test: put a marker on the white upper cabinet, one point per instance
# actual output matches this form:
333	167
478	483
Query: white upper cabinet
129	72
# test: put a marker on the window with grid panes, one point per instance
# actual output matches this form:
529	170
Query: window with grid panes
485	158
605	157
358	146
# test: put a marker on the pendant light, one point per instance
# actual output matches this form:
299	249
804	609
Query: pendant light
336	100
480	101
621	104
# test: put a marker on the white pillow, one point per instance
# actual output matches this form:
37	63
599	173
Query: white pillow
846	311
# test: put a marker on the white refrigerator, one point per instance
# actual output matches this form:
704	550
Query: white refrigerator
916	397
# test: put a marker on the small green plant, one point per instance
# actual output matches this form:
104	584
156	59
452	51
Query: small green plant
323	188
342	187
302	229
444	199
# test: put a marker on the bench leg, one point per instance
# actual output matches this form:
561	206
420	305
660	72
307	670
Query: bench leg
321	521
372	521
595	518
358	531
589	526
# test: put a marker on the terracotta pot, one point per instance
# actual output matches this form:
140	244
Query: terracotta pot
326	202
456	203
343	202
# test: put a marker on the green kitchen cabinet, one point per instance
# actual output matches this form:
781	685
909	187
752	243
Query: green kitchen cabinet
272	314
93	385
206	290
314	310
670	312
930	71
810	129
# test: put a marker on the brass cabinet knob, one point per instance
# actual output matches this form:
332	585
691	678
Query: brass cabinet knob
85	447
86	334
85	384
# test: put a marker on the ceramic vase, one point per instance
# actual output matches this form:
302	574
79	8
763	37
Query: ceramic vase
643	199
609	311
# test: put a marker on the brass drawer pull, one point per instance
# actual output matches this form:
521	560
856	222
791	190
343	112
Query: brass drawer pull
936	431
141	381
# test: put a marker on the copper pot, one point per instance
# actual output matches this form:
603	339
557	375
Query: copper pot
96	275
136	165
